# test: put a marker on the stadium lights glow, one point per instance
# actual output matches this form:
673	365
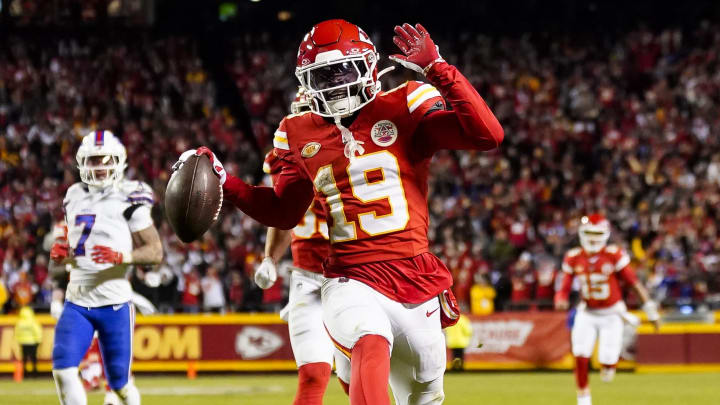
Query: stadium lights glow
284	15
255	1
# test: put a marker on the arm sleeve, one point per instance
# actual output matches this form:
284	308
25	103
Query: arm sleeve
628	275
281	206
471	125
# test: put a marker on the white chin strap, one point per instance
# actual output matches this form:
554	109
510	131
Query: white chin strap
352	146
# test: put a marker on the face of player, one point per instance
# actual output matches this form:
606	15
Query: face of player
335	75
593	241
101	167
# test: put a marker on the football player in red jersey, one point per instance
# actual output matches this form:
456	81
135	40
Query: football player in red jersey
600	315
364	154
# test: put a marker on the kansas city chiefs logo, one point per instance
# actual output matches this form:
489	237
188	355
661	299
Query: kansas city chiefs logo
254	343
384	133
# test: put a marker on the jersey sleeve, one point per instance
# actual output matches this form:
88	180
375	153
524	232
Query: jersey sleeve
622	264
567	263
141	199
423	99
73	192
272	166
139	192
139	218
470	125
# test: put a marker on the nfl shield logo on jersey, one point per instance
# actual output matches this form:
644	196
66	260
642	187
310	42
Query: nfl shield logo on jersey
384	133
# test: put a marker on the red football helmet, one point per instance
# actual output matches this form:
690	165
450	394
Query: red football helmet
594	232
337	68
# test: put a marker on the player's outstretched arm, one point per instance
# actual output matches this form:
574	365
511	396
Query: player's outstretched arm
471	124
276	243
281	206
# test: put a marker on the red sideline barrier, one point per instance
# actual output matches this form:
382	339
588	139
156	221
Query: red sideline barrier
243	342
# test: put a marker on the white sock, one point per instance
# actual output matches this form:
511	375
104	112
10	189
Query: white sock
129	394
69	387
584	400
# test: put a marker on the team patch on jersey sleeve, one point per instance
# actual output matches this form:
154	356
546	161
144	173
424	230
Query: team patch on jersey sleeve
280	140
417	97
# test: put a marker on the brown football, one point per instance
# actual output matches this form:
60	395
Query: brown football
193	198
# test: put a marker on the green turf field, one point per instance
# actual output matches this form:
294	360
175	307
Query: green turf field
460	389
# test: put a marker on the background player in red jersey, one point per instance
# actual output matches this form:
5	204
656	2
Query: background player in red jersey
365	154
312	347
600	315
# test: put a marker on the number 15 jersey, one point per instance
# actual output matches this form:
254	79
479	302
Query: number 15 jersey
599	275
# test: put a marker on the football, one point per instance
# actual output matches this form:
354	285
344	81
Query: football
193	198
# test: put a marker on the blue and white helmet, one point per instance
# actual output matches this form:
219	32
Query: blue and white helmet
101	159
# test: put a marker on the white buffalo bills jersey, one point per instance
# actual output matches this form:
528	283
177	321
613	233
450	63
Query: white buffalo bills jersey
103	217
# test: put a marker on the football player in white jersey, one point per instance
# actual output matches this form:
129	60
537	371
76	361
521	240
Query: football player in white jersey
109	228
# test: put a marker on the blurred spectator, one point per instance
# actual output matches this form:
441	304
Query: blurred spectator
458	339
482	296
191	292
213	294
28	334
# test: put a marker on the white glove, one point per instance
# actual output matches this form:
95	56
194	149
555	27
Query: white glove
266	274
217	166
651	310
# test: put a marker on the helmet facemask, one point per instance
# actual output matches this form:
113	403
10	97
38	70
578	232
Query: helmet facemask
101	170
593	237
340	86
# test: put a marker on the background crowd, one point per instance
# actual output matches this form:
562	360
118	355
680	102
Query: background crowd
627	127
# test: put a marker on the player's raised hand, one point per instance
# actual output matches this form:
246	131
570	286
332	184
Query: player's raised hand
59	251
217	166
266	274
419	50
561	305
104	254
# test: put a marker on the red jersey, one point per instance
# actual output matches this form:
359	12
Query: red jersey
309	244
376	202
599	274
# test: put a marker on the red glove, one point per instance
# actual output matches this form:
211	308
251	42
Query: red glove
419	49
449	310
59	251
216	165
104	254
